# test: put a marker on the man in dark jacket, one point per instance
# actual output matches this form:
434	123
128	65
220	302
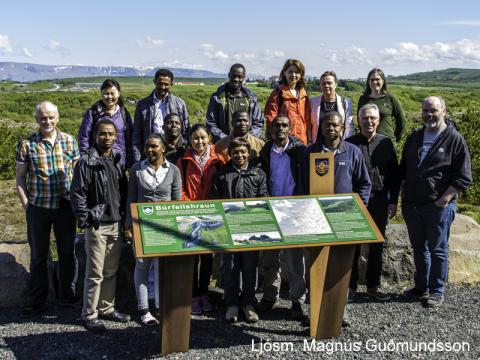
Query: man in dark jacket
228	99
382	164
435	166
282	159
97	196
151	112
350	171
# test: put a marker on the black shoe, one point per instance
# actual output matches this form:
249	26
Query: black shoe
296	311
94	325
434	300
416	293
345	322
30	311
115	316
73	302
265	305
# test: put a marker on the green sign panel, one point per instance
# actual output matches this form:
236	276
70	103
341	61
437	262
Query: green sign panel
174	227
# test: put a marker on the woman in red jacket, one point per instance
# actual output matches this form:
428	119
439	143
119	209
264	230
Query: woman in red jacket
198	167
290	98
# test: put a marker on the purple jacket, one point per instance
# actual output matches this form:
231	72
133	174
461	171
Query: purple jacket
123	123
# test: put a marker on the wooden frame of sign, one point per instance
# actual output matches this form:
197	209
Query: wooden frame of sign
330	270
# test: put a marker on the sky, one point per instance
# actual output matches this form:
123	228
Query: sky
349	37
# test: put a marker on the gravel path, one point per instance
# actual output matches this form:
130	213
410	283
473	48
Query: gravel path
401	325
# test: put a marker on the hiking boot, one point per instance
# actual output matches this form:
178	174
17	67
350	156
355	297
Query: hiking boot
205	302
196	306
434	300
250	314
265	305
297	312
232	314
378	294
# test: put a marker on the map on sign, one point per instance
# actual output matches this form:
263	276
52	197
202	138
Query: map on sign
179	227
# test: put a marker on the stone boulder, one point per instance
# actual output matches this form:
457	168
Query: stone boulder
14	273
398	266
464	251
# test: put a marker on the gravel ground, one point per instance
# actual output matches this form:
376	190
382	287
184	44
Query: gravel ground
59	335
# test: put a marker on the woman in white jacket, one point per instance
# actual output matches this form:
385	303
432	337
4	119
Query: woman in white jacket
331	101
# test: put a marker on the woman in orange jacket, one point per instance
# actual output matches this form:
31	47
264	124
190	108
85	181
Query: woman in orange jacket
198	167
290	98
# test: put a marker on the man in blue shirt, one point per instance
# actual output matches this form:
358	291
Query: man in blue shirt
282	160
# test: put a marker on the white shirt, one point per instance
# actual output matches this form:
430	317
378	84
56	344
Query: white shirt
160	113
154	177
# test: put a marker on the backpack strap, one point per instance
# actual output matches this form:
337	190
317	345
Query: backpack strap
280	99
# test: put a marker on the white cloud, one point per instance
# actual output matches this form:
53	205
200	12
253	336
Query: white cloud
150	42
27	52
180	64
207	47
5	45
208	50
460	23
220	55
54	45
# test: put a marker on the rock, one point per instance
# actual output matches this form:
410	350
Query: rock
14	273
398	266
464	251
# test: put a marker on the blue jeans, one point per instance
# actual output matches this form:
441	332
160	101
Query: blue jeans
429	229
233	264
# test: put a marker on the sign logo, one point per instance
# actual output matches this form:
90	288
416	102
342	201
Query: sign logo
321	166
147	210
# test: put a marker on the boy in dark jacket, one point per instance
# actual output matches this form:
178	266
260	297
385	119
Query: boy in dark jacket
239	179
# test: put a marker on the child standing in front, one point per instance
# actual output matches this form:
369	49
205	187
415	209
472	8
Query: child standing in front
239	178
198	167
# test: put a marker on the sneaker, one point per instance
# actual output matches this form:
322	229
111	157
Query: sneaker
296	311
30	311
434	300
205	302
250	314
148	319
416	293
232	314
352	294
94	325
115	315
196	306
265	305
378	294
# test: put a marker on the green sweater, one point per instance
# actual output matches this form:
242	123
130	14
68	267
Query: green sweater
392	118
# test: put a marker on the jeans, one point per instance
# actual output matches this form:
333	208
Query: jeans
103	248
378	209
429	229
246	262
143	268
295	261
201	277
39	224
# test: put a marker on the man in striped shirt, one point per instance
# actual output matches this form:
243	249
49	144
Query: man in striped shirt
44	173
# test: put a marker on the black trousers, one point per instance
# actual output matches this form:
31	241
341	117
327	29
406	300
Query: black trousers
378	208
39	225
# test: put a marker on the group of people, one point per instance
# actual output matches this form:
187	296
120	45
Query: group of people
65	185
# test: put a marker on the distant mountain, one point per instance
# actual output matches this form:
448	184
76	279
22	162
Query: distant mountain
32	72
445	77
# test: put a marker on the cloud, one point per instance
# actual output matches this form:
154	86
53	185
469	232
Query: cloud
5	45
460	23
180	64
56	46
208	50
150	43
27	52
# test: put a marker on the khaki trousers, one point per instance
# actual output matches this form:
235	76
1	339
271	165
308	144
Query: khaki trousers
103	248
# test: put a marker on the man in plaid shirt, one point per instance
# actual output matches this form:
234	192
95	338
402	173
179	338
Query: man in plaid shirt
44	173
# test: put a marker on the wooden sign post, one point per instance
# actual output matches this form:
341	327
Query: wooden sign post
330	267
